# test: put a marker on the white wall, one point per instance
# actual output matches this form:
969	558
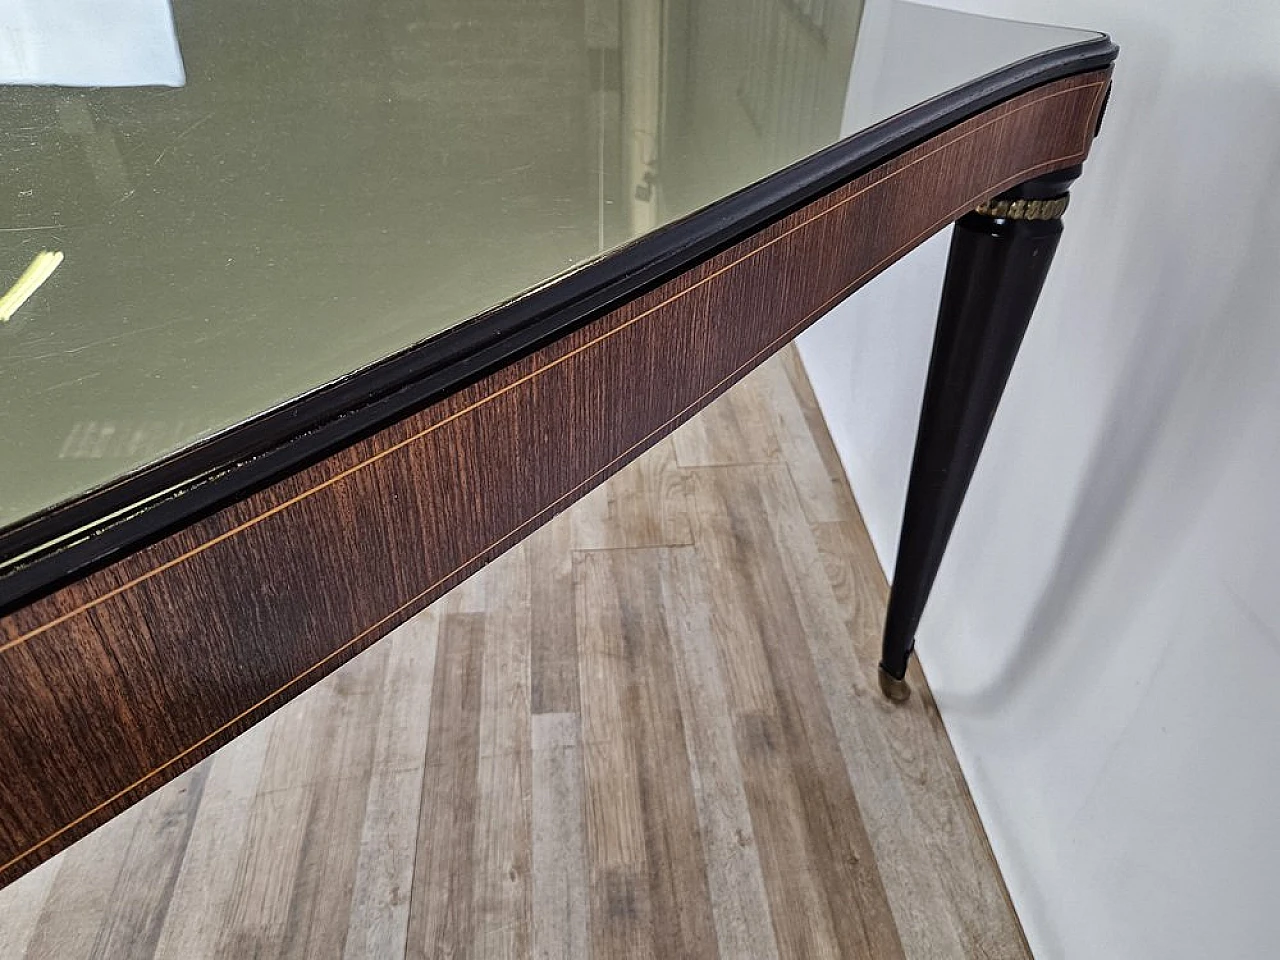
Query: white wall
1104	636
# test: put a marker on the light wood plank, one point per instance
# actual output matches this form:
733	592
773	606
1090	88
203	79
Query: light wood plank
20	905
646	505
559	854
803	441
320	904
790	752
202	896
143	891
738	898
679	894
621	912
440	915
738	428
554	655
379	919
80	893
303	824
502	896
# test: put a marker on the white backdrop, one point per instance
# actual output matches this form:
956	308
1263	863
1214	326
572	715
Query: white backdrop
1104	636
89	43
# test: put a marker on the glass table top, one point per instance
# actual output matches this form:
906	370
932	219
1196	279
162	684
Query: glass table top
211	209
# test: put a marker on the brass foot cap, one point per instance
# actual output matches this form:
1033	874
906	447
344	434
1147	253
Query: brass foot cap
896	690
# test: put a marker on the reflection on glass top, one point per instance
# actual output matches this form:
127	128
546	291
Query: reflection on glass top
210	210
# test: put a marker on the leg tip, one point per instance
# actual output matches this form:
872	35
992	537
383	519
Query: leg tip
895	690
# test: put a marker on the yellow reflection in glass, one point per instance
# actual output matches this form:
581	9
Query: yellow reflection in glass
37	272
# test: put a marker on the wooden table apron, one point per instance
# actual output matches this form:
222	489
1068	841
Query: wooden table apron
116	683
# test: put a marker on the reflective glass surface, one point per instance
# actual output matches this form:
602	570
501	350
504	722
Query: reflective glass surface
210	209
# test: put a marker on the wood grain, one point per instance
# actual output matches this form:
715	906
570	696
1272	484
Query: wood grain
554	661
119	682
144	887
201	901
378	922
559	851
793	768
441	907
696	799
503	849
293	890
78	899
622	617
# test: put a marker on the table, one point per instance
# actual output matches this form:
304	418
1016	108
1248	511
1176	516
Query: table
314	312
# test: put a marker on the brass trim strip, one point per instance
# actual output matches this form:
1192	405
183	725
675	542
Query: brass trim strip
1050	209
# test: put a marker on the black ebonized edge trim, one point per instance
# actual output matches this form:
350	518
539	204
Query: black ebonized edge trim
98	528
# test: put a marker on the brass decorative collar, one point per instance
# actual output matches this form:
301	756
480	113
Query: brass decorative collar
1050	209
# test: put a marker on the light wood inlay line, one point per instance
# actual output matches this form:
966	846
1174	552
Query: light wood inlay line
356	468
105	707
514	535
728	784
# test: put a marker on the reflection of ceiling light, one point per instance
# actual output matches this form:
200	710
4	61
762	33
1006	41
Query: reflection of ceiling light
37	272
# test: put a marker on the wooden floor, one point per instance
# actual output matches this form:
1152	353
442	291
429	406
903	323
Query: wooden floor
651	730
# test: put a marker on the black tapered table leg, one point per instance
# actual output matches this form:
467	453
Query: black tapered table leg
999	257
